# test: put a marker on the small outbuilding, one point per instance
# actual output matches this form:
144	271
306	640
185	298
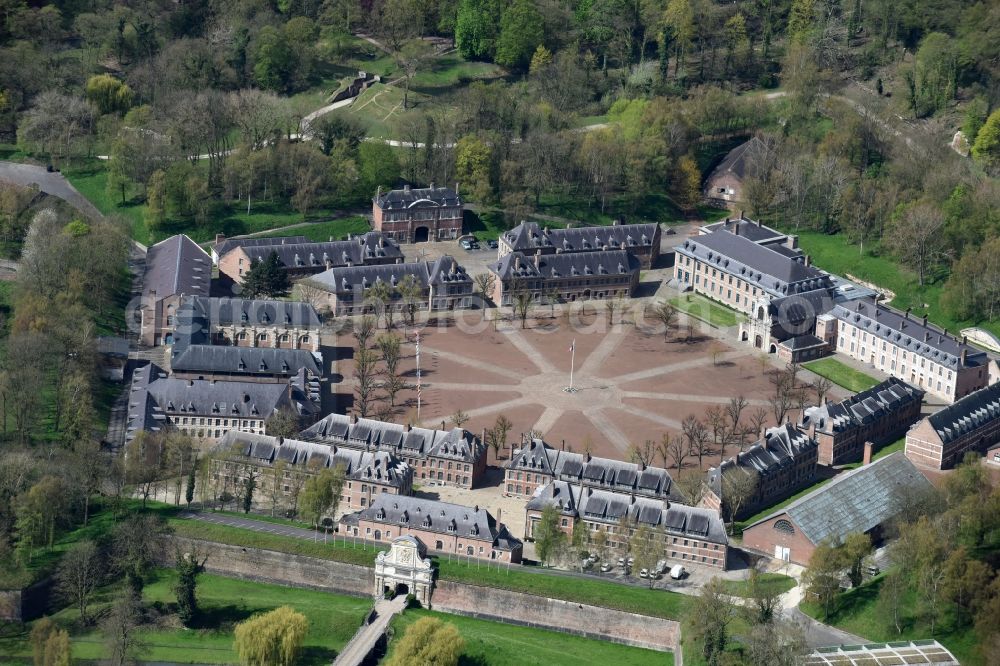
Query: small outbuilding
724	186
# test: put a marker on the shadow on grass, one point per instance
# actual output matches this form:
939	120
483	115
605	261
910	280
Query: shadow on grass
472	660
315	654
223	618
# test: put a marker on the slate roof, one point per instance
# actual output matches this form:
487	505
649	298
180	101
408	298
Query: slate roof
455	444
970	413
153	397
864	407
439	517
779	448
250	361
373	466
923	339
444	271
230	243
609	507
735	161
213	311
535	456
855	501
529	236
516	265
176	266
802	342
359	250
751	229
421	197
777	274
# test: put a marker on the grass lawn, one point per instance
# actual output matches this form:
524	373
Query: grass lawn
837	255
704	309
889	449
841	374
91	181
488	643
774	582
333	619
324	231
448	71
856	612
378	108
739	525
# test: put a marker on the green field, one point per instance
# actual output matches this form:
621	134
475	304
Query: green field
493	643
706	310
841	374
856	612
324	231
91	181
772	582
333	619
837	255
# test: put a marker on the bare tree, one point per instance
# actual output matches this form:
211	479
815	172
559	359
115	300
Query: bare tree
642	454
80	572
459	418
498	434
674	448
739	485
692	486
521	305
716	418
716	350
696	435
781	401
734	410
485	283
916	238
821	387
757	420
365	373
611	306
666	315
363	330
121	630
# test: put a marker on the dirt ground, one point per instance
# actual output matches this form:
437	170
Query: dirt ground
630	385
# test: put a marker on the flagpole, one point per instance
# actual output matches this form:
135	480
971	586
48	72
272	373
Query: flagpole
418	376
572	364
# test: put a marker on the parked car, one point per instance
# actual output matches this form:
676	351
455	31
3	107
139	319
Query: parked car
677	572
606	567
466	244
492	244
873	570
661	567
621	561
643	573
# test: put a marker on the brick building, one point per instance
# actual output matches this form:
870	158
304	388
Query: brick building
443	527
641	240
300	257
175	268
971	424
207	409
724	185
880	415
289	462
568	276
688	534
906	347
453	457
415	215
782	462
536	464
444	285
861	500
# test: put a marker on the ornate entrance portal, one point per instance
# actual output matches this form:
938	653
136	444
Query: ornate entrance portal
405	569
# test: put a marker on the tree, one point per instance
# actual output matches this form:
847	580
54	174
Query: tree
710	616
258	114
696	435
364	375
521	34
380	295
549	537
135	543
363	330
986	147
121	630
738	489
428	641
642	454
763	602
801	20
378	166
79	574
679	17
274	488
274	60
321	495
273	638
188	568
476	28
856	547
49	644
716	419
692	486
56	124
249	486
484	282
473	158
666	315
283	423
459	418
966	583
915	237
822	387
647	549
411	294
497	435
521	305
611	306
675	448
822	577
192	473
109	94
267	278
889	604
686	186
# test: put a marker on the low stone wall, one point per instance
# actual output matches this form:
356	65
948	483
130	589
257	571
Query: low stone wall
462	599
272	567
529	610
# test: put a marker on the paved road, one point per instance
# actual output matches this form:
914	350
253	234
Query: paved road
822	635
363	642
249	524
50	183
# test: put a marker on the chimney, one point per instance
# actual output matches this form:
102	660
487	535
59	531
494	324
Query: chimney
483	438
965	355
736	228
456	187
281	440
354	418
763	433
219	238
623	245
741	215
406	187
906	315
409	427
924	320
499	510
965	339
764	441
927	336
190	382
867	459
432	185
812	429
792	242
588	456
564	445
476	509
808	260
442	424
517	262
615	222
538	259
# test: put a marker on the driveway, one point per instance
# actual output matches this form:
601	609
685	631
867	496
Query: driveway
54	184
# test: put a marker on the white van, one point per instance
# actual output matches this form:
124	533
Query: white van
677	572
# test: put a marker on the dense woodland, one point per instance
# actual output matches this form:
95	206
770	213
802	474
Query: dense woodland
569	109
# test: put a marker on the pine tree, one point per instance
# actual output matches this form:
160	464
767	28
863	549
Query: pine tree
266	278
